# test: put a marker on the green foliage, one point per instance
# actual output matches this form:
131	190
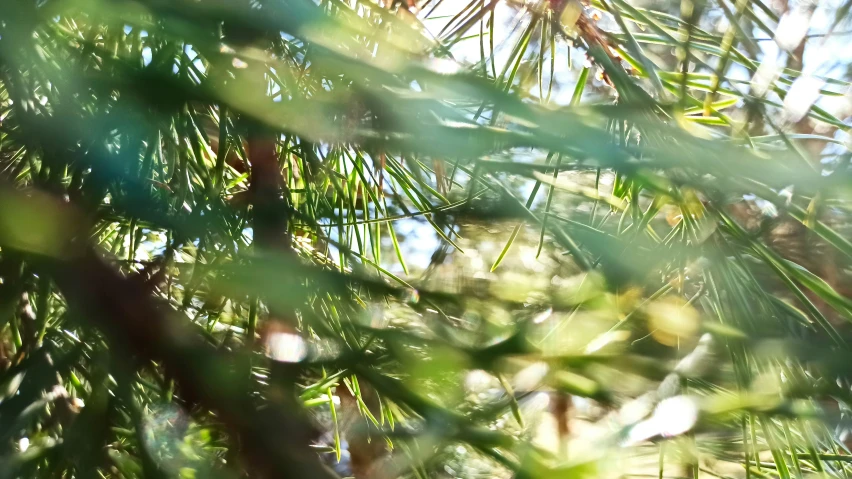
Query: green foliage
295	238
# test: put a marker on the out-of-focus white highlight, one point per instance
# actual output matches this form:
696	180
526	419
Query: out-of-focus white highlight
802	95
672	417
286	347
792	28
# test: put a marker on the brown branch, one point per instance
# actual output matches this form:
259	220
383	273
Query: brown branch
274	435
269	192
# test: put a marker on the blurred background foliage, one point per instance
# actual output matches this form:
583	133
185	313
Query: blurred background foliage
425	238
